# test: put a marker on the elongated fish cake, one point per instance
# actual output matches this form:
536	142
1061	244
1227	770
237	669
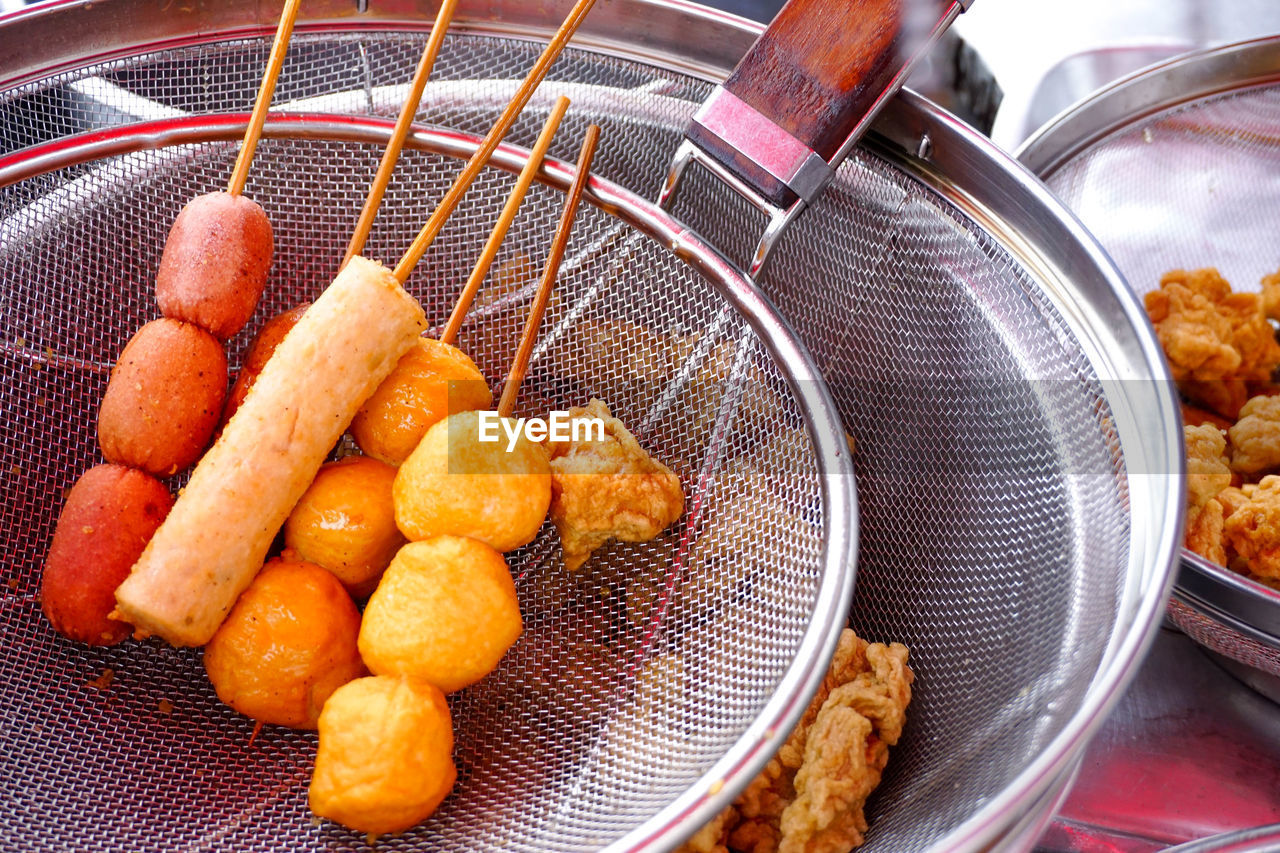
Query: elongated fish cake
222	525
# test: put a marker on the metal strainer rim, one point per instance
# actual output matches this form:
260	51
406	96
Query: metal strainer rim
717	787
1181	80
1156	535
957	154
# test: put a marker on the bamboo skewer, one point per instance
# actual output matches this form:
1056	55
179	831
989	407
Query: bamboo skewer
401	131
279	47
558	245
478	160
508	215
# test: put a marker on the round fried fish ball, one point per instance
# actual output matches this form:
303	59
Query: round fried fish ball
288	642
445	612
215	263
431	381
345	522
110	515
384	760
456	482
164	398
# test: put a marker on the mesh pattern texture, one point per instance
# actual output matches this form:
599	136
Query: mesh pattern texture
1184	189
992	523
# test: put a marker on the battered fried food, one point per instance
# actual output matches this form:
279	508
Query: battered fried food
1215	340
1205	532
164	398
1208	471
431	380
810	796
1255	438
384	760
215	263
345	522
457	483
444	612
288	643
1196	336
110	514
1253	529
1271	295
608	489
222	525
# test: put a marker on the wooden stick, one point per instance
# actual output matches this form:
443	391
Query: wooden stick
558	245
508	215
450	201
401	131
278	49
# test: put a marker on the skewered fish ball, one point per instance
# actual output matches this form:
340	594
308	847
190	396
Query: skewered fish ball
457	483
445	612
431	381
286	645
384	760
345	522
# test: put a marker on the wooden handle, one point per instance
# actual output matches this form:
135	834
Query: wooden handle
818	69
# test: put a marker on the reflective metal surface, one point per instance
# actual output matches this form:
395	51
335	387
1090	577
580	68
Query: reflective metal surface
1174	167
1022	468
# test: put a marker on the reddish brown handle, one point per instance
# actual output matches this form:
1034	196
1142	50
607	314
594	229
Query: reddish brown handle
818	69
819	66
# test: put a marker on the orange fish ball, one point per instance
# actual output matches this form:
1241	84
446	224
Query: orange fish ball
432	380
445	613
457	483
345	522
288	642
384	760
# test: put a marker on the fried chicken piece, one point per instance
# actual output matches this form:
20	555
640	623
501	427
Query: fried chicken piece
1208	471
1232	498
1224	397
1208	474
1195	416
1197	338
1205	528
1251	335
1253	529
608	489
1255	438
1216	341
1271	295
810	796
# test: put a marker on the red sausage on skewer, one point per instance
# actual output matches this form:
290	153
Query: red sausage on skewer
215	263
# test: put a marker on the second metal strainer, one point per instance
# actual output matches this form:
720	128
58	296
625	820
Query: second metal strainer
1177	166
1016	474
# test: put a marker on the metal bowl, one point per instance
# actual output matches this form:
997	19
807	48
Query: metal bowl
1018	457
1175	166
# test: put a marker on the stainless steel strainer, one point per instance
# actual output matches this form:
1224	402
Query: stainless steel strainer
1176	166
1019	474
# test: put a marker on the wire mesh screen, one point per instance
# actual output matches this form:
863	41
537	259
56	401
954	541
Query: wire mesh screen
1187	188
993	532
